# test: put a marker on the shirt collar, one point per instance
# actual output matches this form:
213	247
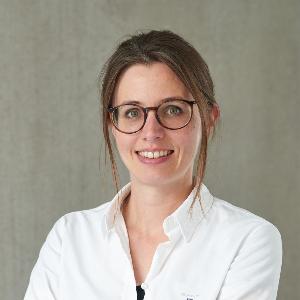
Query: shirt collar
183	218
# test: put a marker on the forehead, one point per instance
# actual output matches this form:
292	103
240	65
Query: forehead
149	84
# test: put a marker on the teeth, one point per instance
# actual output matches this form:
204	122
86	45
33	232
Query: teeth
155	154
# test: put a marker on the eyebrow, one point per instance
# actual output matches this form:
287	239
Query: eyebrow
161	101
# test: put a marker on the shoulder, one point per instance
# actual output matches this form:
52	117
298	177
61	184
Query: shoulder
240	227
80	222
88	215
229	214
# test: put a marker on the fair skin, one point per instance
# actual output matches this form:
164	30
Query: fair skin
157	189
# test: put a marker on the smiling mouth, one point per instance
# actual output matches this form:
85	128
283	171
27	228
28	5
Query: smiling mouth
154	154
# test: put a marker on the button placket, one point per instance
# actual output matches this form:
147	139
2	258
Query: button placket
122	238
159	259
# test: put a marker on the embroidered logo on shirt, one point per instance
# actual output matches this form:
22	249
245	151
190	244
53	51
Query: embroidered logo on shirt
190	296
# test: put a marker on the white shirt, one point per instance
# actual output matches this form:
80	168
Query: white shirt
227	253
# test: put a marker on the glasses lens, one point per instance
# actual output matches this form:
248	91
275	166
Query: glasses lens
175	114
128	118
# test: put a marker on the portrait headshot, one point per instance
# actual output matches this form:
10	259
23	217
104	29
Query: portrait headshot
149	150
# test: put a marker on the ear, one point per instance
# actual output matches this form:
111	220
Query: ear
215	113
214	117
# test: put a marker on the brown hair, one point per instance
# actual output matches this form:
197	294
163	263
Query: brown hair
182	58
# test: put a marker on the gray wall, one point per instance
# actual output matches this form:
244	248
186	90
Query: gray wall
50	142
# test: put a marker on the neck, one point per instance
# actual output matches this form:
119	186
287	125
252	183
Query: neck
148	205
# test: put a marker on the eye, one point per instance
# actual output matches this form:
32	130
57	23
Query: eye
132	113
173	110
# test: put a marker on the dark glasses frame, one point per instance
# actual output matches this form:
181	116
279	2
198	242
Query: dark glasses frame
145	110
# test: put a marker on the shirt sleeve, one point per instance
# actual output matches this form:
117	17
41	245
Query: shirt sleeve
44	279
255	271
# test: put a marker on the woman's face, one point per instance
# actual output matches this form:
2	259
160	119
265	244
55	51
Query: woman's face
149	86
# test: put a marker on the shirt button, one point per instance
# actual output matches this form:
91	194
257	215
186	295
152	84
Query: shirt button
144	286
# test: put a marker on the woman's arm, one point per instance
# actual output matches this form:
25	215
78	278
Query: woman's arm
44	279
255	271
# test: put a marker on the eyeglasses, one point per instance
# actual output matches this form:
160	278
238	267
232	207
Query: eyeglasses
172	114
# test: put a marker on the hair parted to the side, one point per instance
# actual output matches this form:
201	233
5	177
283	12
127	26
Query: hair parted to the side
183	59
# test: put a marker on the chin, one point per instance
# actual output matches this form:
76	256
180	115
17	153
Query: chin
156	180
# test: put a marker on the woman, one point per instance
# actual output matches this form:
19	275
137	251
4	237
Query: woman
163	236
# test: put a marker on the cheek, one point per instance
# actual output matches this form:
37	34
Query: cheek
124	144
191	136
121	144
188	142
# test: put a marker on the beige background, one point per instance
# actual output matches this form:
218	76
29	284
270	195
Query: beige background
50	139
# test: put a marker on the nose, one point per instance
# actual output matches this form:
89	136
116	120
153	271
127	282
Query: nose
152	130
